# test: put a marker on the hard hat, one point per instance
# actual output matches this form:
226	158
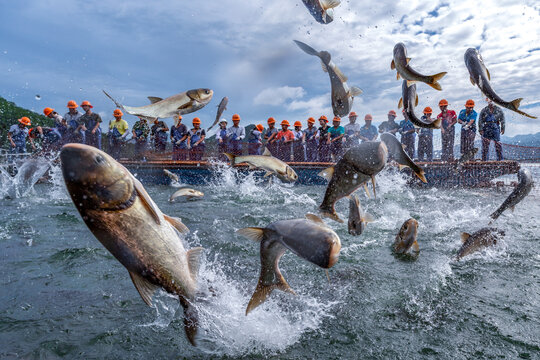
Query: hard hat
311	120
86	103
368	117
259	127
117	112
236	117
336	118
285	122
271	120
352	114
392	112
47	111
72	104
223	120
469	103
25	121
196	121
443	102
323	118
179	117
428	110
297	123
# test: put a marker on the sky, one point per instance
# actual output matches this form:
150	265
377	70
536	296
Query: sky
53	51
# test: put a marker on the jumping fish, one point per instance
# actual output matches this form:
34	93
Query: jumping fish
482	238
405	242
322	10
122	216
266	161
357	166
480	76
396	152
221	108
523	188
342	95
308	238
171	175
357	217
409	99
400	62
179	104
188	193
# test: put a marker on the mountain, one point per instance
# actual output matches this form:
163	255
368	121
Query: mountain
523	140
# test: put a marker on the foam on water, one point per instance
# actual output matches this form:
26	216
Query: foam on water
28	173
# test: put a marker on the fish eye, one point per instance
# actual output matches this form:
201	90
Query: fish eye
207	91
99	159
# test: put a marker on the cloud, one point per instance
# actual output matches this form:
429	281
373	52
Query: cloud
278	95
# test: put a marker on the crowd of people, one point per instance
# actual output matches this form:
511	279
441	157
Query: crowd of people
312	144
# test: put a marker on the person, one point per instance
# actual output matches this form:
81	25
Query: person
236	134
179	139
284	139
59	122
467	119
368	132
92	123
408	134
491	127
76	129
158	132
50	138
270	136
298	143
310	138
17	135
352	131
448	130
425	138
322	137
118	130
221	137
140	131
196	141
335	137
255	140
390	125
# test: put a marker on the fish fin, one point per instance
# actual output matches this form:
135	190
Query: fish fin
401	167
393	65
147	200
231	158
416	103
306	48
368	218
407	60
323	65
334	216
421	175
263	291
472	80
415	246
516	103
367	191
251	167
340	75
185	106
329	4
400	103
464	237
327	275
177	224
373	183
355	91
145	288
266	152
512	208
315	218
191	321
267	174
411	82
327	173
397	76
154	99
194	257
254	233
435	78
488	75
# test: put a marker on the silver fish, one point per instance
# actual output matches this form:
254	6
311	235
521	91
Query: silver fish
322	10
400	62
188	193
266	161
342	95
396	152
179	104
171	175
221	108
483	238
122	216
405	242
409	99
480	76
357	217
523	188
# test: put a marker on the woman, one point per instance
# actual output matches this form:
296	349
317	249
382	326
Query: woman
298	143
324	143
196	141
270	136
310	138
179	137
255	140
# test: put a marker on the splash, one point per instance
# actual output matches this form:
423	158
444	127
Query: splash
28	173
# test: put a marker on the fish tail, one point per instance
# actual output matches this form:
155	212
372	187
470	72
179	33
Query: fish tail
115	102
515	103
263	291
434	80
231	158
421	175
495	214
191	321
437	123
330	213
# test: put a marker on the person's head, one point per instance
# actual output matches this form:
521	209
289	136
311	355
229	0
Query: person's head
236	120
142	118
469	105
368	119
285	125
310	122
72	106
297	125
392	115
443	105
490	103
352	117
177	120
49	112
87	107
259	127
196	123
336	121
156	121
223	123
323	120
24	122
117	113
428	112
271	122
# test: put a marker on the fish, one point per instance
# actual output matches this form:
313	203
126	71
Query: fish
483	238
322	10
309	238
179	104
357	166
400	62
409	99
266	161
128	223
480	77
171	175
188	193
523	188
405	242
357	217
221	108
342	95
468	156
396	152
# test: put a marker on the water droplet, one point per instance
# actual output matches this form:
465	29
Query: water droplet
38	97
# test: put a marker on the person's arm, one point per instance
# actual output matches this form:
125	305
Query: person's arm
98	122
271	138
242	133
10	139
473	119
481	121
32	143
133	134
501	120
126	127
339	137
328	137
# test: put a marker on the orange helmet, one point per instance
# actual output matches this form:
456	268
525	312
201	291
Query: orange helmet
179	117
72	104
196	121
271	120
236	117
352	114
285	122
86	103
259	127
368	117
117	112
25	121
336	118
443	102
297	123
311	120
323	118
31	133
428	110
47	111
392	112
469	103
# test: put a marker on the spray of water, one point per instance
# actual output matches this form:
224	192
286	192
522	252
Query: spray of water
28	173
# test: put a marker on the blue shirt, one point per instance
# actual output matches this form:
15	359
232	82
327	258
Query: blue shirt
463	116
369	132
404	126
425	131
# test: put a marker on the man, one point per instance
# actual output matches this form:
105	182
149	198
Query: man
76	129
284	139
140	133
92	123
158	132
467	119
310	138
270	136
368	132
491	127
49	138
59	122
352	131
322	137
118	130
448	130
221	137
390	125
236	134
335	136
17	135
425	138
179	139
408	134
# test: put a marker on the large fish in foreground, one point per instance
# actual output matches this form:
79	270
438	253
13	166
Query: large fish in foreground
523	188
221	108
400	62
179	104
357	217
396	152
409	99
342	95
122	216
405	242
483	238
308	238
480	76
322	10
266	161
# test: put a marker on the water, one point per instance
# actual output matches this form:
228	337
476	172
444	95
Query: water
64	296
